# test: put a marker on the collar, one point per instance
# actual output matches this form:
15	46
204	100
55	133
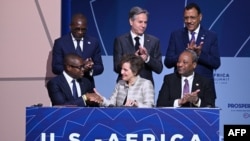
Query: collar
190	77
136	79
74	39
67	77
196	30
135	35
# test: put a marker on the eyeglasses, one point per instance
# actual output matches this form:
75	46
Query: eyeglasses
79	29
77	67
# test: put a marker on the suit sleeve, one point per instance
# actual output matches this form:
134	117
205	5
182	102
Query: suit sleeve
59	97
117	54
148	95
164	97
208	96
210	56
155	62
57	58
171	56
97	59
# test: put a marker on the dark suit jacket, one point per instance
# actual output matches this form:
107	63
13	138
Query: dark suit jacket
60	92
65	45
171	90
209	58
124	45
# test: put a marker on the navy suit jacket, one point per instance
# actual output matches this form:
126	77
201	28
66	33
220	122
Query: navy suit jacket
60	92
171	90
209	58
124	45
65	45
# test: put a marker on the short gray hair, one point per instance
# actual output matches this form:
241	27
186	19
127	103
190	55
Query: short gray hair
194	55
136	11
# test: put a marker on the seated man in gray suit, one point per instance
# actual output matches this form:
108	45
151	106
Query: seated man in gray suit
186	88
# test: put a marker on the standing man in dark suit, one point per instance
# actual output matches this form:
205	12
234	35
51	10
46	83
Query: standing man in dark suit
204	43
61	88
147	47
185	88
77	41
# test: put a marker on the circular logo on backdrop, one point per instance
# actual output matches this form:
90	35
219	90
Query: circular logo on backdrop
246	115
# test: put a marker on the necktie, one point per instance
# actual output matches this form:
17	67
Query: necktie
186	87
75	95
78	48
137	43
192	36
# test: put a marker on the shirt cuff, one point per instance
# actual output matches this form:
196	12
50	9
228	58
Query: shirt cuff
147	59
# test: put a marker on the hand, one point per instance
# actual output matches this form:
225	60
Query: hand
189	97
131	103
94	97
195	48
143	53
88	64
193	96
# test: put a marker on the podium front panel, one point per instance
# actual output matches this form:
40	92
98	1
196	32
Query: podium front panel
123	124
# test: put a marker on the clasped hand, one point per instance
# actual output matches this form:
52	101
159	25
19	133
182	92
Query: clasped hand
190	97
142	52
94	97
192	46
88	64
131	103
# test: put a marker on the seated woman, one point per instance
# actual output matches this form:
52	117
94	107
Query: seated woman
132	90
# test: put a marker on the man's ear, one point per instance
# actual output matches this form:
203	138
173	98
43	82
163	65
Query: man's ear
194	65
200	17
130	21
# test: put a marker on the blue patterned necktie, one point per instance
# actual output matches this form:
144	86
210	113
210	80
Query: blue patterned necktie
192	36
186	87
75	95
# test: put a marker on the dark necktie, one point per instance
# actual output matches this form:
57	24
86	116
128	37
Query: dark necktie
186	87
192	36
137	43
78	48
75	95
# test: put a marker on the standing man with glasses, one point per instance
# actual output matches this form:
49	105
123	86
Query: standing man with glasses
141	44
77	41
70	87
195	37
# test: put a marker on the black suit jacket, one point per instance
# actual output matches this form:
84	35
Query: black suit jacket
60	93
65	45
124	45
171	90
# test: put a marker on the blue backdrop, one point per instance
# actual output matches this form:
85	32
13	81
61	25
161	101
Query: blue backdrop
108	19
228	18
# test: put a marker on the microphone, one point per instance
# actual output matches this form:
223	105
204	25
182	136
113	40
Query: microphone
111	105
37	105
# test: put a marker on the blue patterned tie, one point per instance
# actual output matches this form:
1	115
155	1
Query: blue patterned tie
192	36
75	95
186	87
